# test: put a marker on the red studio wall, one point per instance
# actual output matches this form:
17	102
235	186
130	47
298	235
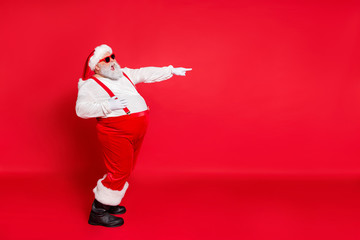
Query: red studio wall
275	85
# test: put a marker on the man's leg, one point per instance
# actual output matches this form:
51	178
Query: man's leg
118	154
118	158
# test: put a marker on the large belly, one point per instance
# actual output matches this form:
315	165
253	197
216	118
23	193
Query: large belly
136	103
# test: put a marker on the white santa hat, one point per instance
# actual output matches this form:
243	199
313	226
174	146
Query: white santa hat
94	58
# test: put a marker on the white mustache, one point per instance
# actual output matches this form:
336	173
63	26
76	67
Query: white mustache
112	74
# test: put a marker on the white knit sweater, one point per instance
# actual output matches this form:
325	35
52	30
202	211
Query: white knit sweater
92	100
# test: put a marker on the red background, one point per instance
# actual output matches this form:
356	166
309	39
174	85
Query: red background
274	89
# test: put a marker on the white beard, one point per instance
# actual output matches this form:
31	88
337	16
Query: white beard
112	74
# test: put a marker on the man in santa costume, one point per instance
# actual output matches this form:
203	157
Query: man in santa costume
108	93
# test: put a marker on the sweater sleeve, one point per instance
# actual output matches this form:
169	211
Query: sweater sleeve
88	107
149	74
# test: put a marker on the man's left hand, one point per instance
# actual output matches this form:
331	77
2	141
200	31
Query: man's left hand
180	71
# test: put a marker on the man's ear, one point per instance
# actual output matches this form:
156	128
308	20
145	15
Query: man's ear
96	70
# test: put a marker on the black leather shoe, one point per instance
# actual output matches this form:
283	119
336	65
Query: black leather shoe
99	215
117	210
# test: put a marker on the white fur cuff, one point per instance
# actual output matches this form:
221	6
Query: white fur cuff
108	196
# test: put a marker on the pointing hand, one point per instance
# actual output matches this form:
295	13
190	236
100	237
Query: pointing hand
180	71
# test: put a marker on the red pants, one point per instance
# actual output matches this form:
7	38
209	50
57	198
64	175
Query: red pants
121	138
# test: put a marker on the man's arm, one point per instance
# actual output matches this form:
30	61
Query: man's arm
88	107
153	74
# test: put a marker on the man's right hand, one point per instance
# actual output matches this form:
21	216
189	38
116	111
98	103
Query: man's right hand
117	103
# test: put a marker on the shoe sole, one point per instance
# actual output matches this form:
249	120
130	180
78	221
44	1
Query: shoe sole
96	224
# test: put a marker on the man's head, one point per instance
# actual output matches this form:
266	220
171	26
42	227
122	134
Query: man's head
103	62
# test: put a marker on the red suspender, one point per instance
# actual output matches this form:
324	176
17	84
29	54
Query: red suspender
103	86
109	91
129	80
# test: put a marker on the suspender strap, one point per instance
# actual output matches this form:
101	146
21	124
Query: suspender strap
129	79
109	91
103	86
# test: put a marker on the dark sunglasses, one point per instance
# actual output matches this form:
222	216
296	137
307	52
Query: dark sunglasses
107	59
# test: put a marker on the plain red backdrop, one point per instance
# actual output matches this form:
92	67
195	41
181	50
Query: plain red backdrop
274	87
